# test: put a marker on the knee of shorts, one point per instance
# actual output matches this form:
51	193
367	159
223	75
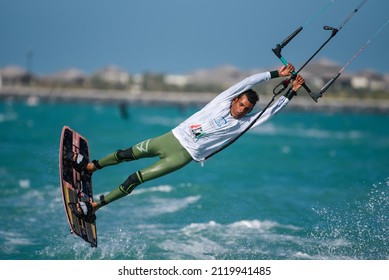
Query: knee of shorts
125	155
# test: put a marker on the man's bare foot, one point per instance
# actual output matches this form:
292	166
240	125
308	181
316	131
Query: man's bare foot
95	206
90	167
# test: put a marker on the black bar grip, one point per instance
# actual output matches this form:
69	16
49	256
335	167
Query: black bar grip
316	95
277	51
329	83
278	48
291	36
326	27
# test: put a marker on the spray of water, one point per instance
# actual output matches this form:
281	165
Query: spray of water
361	232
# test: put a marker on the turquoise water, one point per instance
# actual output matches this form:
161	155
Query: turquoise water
302	186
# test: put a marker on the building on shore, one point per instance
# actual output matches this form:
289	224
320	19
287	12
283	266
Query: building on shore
14	75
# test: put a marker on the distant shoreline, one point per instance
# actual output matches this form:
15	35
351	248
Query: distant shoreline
181	99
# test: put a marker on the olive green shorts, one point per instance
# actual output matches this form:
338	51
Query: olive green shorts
172	155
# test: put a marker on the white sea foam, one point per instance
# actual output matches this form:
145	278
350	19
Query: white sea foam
160	206
301	255
161	188
15	238
32	101
198	248
7	117
350	234
254	224
24	183
155	205
12	242
240	225
212	240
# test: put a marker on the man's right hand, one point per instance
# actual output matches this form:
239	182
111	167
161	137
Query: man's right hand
297	83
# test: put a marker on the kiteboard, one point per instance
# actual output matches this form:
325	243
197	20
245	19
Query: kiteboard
75	186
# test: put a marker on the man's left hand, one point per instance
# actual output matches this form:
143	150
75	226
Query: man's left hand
285	71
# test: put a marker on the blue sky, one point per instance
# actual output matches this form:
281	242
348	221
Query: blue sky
180	36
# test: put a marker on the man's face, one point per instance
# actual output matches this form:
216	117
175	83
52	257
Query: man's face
240	107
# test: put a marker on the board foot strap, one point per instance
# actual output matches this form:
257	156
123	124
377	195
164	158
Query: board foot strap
102	200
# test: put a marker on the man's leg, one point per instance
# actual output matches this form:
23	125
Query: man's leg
114	158
172	157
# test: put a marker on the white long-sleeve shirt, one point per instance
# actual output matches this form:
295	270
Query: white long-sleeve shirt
213	126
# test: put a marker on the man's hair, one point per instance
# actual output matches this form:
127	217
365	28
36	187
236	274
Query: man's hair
252	96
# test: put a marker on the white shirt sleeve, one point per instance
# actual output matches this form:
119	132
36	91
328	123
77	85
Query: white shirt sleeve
213	126
270	112
240	87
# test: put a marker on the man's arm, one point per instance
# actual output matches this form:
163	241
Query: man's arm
281	102
284	71
250	82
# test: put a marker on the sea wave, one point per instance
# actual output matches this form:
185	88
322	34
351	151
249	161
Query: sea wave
8	117
161	188
159	206
349	232
240	239
13	242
